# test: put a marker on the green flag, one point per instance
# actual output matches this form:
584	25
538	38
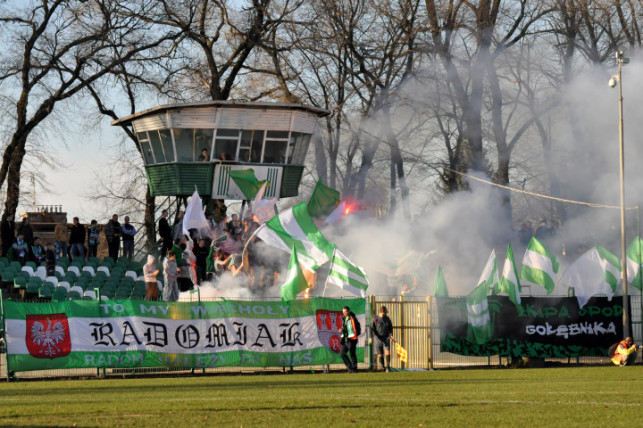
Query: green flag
247	182
489	276
323	200
634	262
509	283
440	289
539	266
295	281
347	275
479	328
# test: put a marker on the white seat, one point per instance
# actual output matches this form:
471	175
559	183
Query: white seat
89	269
52	279
131	274
59	269
27	269
104	297
74	269
141	278
90	293
65	285
41	272
103	269
78	289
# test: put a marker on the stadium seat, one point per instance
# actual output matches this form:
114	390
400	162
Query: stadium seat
30	264
32	288
52	279
104	297
60	270
45	292
131	274
104	269
74	295
35	280
77	289
74	269
28	269
19	282
89	269
41	272
94	261
15	265
64	284
89	295
59	295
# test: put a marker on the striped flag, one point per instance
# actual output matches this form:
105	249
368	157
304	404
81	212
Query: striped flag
294	227
479	329
295	281
509	283
347	275
539	266
401	353
634	261
611	264
489	276
591	274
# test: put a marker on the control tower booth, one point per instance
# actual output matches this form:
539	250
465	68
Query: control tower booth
196	145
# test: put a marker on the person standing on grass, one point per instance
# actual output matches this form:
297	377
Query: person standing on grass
170	272
625	353
382	335
150	271
350	333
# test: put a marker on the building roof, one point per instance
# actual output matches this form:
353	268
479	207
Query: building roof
215	104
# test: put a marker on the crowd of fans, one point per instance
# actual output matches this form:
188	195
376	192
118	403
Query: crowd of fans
222	248
225	247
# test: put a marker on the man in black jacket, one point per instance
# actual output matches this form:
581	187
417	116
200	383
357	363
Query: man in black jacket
113	234
165	231
7	233
77	240
382	334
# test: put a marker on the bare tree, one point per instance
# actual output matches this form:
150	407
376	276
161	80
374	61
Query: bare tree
56	49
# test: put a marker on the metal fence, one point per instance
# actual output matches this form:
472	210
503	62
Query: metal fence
416	328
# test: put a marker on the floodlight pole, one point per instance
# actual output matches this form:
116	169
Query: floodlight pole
621	60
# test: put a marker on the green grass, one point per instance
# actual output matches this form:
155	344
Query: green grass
570	397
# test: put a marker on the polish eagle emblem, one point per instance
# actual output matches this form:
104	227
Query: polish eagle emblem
48	336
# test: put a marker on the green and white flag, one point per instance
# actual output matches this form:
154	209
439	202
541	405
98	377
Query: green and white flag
611	266
294	227
539	266
489	276
509	283
295	281
592	274
634	262
479	328
440	289
347	275
247	182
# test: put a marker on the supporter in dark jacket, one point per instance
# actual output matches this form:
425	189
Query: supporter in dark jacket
77	240
7	233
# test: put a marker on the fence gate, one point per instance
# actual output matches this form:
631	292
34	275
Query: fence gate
411	328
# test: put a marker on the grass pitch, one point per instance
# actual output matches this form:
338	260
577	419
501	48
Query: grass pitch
570	397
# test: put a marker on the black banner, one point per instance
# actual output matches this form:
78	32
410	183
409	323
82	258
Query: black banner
540	327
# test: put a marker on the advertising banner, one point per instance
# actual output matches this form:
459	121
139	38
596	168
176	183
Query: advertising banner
130	333
540	327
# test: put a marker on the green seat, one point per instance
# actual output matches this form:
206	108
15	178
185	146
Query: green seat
23	274
94	261
59	275
8	275
35	280
101	274
45	292
59	295
32	288
74	295
15	265
20	282
31	265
